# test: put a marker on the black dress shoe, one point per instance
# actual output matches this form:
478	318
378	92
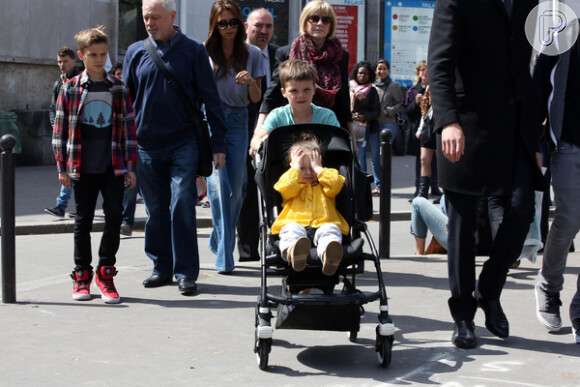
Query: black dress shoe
464	335
186	286
157	280
495	320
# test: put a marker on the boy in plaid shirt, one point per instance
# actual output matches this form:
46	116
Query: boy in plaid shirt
94	144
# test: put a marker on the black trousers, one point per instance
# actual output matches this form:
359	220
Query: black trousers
248	221
86	191
462	209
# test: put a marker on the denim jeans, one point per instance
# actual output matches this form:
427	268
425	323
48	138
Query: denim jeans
226	189
86	191
129	204
565	166
362	151
375	145
64	197
426	217
166	176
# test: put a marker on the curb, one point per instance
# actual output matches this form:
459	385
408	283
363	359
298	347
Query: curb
67	226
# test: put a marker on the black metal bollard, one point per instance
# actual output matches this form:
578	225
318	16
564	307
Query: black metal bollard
385	196
7	143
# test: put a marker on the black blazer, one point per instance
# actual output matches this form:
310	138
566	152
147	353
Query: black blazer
273	97
479	75
254	107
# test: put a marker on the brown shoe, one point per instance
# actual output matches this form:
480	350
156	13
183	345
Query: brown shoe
435	248
331	258
297	254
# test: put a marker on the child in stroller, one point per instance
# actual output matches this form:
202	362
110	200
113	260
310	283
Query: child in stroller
308	191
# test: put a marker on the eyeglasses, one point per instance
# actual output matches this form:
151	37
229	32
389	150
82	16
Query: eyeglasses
314	19
223	24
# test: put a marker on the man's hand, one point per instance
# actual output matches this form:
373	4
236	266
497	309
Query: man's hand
64	179
452	142
219	160
130	180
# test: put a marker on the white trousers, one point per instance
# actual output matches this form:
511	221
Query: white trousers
325	234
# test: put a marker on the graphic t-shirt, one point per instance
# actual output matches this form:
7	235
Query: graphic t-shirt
96	129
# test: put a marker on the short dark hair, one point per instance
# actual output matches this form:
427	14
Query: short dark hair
67	51
366	65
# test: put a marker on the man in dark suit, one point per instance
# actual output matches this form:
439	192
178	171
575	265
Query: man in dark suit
259	29
479	75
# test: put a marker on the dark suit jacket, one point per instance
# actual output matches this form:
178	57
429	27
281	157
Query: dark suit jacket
254	108
479	75
273	97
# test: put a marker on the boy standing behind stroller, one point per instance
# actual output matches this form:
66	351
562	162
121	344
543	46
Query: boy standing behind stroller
298	80
308	191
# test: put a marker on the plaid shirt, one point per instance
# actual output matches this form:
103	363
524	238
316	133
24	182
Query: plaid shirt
66	137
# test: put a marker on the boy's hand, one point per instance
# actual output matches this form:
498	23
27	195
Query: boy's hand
316	161
64	179
130	180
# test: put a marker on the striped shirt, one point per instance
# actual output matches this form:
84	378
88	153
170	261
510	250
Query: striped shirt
67	134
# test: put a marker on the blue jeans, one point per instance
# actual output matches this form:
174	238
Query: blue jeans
226	189
425	216
129	204
64	197
166	177
362	151
375	145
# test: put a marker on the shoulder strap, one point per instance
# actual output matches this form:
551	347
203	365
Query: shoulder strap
188	106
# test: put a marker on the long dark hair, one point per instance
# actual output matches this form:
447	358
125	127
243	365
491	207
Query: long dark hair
213	44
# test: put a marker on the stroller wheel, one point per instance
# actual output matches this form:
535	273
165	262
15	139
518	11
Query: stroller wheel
352	336
262	352
383	347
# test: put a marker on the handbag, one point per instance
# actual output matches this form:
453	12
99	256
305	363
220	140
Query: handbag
205	160
426	128
360	130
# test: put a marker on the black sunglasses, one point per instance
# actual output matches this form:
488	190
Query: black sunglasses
315	19
223	24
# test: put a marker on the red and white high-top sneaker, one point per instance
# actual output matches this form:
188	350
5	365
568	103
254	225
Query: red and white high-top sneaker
104	280
82	284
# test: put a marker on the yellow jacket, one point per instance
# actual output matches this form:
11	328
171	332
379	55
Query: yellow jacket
309	204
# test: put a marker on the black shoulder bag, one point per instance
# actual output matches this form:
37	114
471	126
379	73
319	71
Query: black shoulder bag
204	163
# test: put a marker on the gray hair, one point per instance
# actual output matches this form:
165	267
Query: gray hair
168	5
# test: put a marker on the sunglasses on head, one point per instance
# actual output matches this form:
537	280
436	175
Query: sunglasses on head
223	24
316	18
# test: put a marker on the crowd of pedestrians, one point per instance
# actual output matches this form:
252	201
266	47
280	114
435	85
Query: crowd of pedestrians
478	139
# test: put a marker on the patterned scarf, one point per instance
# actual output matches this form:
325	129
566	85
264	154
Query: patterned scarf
359	91
325	61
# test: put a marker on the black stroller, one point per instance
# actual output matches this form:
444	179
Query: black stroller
308	299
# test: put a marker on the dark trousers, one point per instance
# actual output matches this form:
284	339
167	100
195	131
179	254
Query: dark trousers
86	191
462	209
248	221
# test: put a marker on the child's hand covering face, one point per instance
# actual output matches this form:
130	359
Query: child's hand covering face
302	161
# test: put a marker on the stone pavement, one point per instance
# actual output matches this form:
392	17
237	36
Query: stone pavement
156	337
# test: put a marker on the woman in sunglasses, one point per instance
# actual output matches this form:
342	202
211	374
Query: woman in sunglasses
239	69
317	45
